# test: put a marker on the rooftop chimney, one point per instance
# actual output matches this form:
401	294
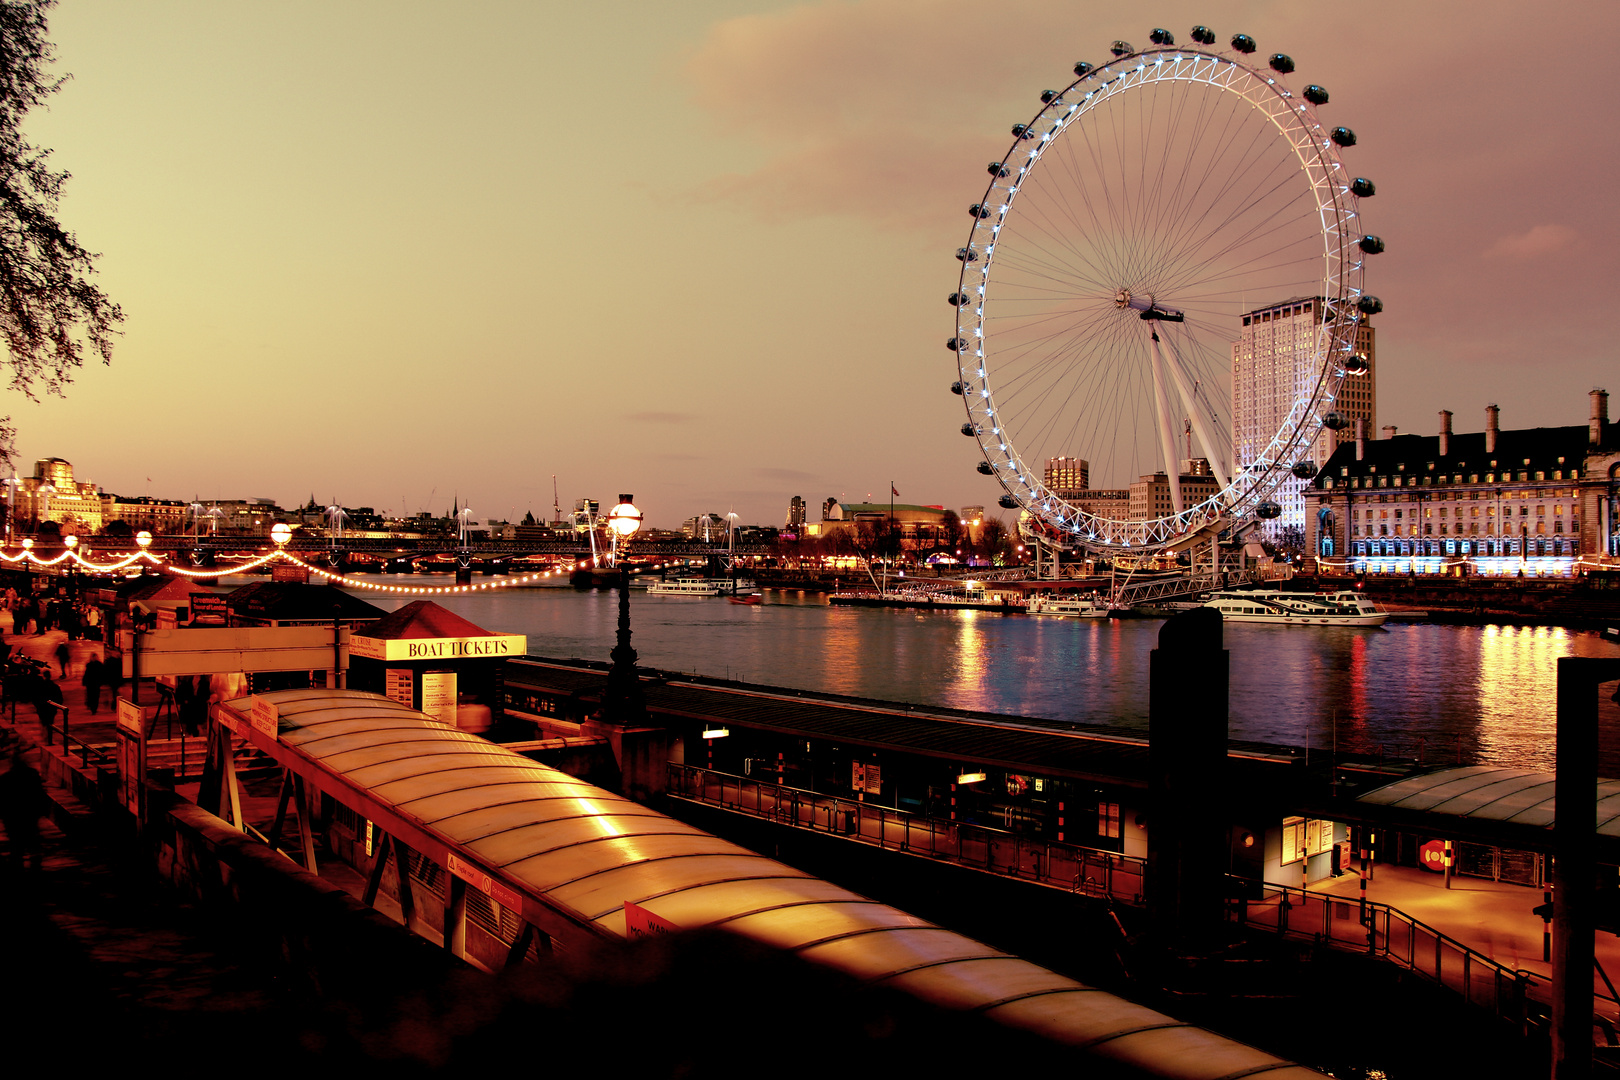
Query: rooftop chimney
1361	437
1491	412
1445	432
1389	431
1596	428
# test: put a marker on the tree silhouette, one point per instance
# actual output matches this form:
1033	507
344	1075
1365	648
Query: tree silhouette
50	313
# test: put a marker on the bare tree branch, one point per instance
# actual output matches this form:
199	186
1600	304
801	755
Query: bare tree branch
50	312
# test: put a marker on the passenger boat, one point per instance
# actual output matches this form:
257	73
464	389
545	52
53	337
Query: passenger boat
1069	607
1343	608
684	587
727	585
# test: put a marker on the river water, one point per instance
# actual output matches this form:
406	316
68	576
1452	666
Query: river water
1469	694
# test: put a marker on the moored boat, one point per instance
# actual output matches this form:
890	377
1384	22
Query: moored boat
684	587
1343	608
1069	607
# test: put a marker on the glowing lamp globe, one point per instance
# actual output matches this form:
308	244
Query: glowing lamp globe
144	539
281	532
71	541
28	543
624	519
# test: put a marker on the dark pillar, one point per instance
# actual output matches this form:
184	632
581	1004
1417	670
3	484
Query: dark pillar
1188	846
463	567
640	750
1575	867
622	702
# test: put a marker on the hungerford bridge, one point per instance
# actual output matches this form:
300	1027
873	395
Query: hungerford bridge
369	549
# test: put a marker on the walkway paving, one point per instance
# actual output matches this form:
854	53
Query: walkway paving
100	967
1493	918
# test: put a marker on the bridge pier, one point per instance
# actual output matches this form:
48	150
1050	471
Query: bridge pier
463	567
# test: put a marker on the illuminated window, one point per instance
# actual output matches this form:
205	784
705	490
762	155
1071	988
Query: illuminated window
1108	819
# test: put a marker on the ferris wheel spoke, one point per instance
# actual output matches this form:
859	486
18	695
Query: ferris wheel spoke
1206	230
1233	175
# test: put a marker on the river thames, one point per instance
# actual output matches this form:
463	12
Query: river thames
1474	694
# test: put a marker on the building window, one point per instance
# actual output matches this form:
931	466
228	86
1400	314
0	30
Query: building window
1108	819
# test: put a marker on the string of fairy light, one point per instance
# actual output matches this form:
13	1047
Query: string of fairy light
145	557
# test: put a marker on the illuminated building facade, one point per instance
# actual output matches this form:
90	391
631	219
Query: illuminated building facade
1067	477
52	494
1274	364
1537	501
156	516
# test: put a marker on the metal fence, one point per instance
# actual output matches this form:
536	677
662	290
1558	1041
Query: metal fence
1517	996
1065	866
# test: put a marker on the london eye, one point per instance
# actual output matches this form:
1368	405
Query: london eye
1133	221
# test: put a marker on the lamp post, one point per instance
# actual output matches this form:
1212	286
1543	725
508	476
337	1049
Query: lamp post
71	542
622	702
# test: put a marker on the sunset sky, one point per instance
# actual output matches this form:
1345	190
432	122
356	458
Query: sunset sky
398	253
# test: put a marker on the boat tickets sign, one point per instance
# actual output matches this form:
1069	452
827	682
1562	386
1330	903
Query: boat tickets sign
491	646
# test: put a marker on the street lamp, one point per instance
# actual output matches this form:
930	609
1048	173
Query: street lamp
281	532
623	521
622	701
71	542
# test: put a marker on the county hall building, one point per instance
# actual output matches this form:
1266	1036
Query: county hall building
1544	502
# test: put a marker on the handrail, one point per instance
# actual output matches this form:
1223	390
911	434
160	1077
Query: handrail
1088	871
69	741
1504	989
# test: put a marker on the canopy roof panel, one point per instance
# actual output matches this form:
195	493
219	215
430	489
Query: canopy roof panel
1492	793
573	849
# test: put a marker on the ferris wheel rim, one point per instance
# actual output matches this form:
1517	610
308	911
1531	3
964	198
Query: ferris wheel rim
1340	288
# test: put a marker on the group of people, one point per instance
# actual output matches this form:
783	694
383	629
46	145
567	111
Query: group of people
32	614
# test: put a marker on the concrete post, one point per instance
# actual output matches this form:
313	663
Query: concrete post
1188	845
1575	867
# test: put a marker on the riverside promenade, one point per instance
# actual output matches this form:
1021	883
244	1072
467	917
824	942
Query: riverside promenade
123	918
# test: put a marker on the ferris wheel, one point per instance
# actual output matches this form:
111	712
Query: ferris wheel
1126	232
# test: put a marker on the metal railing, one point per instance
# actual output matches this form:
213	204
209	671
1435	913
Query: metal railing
1088	871
1390	934
88	755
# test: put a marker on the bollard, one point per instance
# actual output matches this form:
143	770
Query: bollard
1188	824
1574	866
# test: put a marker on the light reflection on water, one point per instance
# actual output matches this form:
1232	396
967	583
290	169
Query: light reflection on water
1474	694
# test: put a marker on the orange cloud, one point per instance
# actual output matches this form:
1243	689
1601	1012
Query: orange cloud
1539	241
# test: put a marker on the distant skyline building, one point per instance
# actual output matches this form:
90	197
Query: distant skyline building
1067	477
1274	364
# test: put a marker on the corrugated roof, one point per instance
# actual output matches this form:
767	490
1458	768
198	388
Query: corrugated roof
587	852
422	619
295	600
1492	793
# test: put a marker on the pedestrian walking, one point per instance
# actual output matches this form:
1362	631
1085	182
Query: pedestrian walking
22	804
92	684
63	655
48	701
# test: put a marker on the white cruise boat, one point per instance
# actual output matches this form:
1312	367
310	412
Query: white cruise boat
684	587
1069	607
1343	608
725	584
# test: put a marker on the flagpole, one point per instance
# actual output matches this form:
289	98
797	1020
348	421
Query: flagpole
892	494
